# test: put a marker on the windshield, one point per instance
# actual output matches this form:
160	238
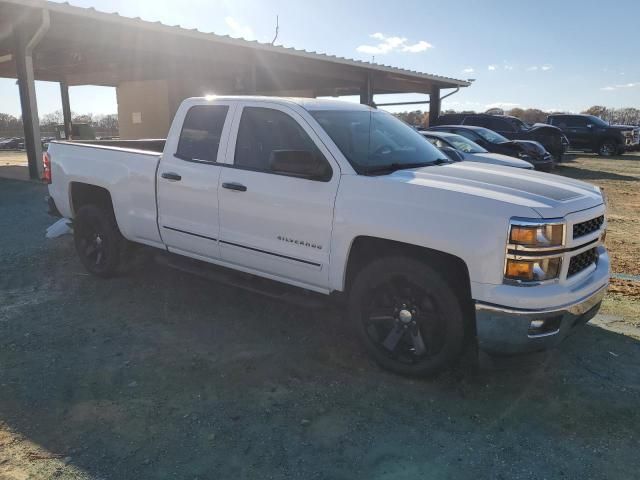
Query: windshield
464	144
598	121
490	136
375	141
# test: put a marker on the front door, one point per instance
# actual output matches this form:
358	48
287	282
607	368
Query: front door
188	177
270	221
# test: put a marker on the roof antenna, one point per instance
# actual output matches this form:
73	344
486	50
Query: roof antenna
277	29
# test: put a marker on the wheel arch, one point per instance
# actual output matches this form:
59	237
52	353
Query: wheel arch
453	268
88	194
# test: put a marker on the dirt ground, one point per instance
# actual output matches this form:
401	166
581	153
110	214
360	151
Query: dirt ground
163	375
620	178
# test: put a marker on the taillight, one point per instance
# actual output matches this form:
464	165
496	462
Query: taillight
46	170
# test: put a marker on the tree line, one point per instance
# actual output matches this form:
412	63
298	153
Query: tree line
615	116
104	125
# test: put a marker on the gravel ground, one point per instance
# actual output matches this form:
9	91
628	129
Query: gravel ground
164	375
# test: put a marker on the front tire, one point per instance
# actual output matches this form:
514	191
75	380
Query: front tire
98	241
607	148
407	316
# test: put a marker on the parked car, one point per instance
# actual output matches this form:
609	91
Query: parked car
470	151
320	197
15	143
526	150
551	138
592	134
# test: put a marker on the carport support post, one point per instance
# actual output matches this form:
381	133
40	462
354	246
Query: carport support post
366	92
29	104
434	105
66	110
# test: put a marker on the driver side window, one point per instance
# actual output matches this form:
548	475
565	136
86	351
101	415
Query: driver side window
264	132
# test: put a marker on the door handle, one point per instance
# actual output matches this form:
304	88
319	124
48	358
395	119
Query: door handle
171	176
234	186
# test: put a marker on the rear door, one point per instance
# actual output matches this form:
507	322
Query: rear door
271	222
188	177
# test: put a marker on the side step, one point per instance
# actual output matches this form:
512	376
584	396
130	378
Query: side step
261	286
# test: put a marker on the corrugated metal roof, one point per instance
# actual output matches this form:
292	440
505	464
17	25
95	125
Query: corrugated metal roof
91	12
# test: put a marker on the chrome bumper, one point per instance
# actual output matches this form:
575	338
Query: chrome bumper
509	330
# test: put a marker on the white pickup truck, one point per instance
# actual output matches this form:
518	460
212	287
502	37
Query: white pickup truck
430	257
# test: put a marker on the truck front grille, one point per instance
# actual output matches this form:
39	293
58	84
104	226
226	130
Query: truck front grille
590	226
582	261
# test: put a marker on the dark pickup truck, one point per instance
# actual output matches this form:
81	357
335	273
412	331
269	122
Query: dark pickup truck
592	134
551	138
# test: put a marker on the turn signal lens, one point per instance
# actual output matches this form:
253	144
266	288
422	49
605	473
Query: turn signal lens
535	270
523	235
519	270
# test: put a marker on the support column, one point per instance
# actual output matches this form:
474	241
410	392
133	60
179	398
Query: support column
29	104
366	92
434	106
66	110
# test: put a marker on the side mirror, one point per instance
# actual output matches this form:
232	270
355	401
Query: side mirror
452	154
299	163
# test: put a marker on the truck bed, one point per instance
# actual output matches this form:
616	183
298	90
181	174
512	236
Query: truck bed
126	169
155	145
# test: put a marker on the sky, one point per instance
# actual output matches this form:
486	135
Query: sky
554	55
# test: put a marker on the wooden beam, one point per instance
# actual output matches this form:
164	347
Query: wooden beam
66	110
28	103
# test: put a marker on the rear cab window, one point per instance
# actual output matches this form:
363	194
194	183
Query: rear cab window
201	133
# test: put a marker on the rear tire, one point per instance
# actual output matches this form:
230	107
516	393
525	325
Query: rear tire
98	241
407	316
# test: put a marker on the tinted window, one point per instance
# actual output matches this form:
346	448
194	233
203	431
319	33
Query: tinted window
201	132
466	133
477	121
576	122
263	131
500	124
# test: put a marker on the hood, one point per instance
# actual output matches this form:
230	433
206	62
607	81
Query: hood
550	196
623	127
497	159
545	126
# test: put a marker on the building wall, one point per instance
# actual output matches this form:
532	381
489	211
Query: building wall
143	109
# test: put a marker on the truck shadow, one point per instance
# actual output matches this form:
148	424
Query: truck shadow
583	173
164	372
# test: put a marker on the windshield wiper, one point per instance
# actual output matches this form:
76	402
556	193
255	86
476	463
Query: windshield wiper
393	167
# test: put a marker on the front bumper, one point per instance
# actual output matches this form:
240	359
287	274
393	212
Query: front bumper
507	330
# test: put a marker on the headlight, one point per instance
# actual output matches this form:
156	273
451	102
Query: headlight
534	270
543	235
533	250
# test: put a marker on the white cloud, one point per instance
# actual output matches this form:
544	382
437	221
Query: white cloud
504	105
546	67
468	70
533	68
508	67
421	46
238	30
624	85
389	44
491	67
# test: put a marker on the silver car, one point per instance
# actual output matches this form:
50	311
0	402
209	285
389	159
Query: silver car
465	149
